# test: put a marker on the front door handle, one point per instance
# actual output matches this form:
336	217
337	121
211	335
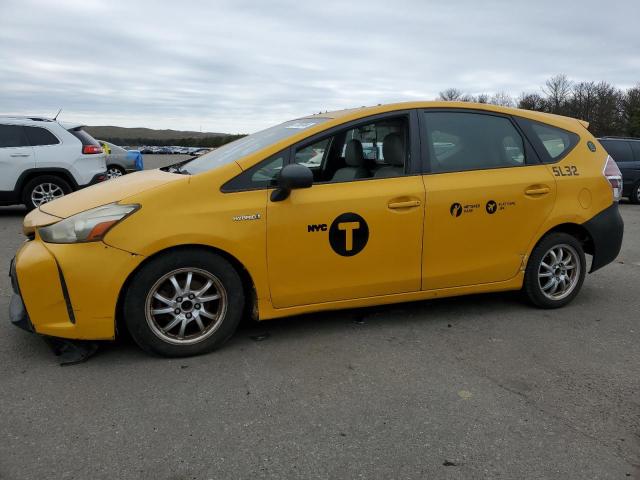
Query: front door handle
407	204
537	190
15	155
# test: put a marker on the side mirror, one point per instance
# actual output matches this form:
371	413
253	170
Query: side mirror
291	177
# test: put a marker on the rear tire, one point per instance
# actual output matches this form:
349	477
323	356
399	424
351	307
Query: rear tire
43	189
183	303
634	196
555	271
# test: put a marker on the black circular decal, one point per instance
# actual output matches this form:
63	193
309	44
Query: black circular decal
455	210
348	234
591	146
491	207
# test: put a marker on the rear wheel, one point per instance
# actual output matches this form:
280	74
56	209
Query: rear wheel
555	271
43	189
634	196
184	303
114	171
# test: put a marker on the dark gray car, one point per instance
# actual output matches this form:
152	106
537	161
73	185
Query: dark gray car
626	152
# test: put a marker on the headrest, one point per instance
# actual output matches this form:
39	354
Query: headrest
393	150
354	156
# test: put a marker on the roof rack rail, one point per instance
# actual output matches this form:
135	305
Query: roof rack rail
27	117
616	137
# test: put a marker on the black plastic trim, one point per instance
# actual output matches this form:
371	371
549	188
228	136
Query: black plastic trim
606	230
65	294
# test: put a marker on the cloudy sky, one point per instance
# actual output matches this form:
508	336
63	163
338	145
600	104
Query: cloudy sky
239	66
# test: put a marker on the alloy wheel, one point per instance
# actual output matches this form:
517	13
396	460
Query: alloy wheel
45	192
559	272
186	306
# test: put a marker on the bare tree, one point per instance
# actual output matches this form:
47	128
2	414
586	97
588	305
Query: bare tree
631	111
502	98
531	101
482	98
557	90
451	95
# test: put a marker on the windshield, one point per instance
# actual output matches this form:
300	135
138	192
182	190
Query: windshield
247	145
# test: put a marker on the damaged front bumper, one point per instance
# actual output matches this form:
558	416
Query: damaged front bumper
17	311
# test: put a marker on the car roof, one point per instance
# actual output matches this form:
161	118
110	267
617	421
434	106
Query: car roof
24	119
559	120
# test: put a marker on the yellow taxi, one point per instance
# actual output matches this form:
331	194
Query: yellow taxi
354	208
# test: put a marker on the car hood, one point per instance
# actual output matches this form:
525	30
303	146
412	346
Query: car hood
109	192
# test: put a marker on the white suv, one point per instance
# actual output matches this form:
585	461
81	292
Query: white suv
42	159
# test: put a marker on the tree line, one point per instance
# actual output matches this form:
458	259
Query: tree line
208	142
608	109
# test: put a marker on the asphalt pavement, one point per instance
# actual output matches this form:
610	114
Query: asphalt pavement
483	386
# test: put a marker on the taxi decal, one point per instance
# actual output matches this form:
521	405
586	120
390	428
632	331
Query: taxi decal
348	234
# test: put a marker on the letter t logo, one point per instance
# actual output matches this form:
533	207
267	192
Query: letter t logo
348	228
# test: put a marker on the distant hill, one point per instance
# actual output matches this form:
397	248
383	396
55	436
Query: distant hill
104	132
149	136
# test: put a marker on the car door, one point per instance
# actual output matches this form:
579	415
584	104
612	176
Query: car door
356	232
486	197
16	156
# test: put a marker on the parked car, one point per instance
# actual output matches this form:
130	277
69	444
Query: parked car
626	152
247	229
120	161
42	159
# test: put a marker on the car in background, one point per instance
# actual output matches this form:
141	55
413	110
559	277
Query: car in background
626	152
120	161
42	159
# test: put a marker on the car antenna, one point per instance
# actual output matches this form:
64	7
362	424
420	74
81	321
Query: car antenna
56	117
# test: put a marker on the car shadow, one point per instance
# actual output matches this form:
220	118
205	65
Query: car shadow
299	327
13	211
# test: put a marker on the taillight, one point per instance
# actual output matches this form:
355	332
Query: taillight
613	174
89	149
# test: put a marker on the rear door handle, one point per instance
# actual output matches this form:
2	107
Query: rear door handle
537	190
20	155
407	204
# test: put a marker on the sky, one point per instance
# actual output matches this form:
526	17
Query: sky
240	66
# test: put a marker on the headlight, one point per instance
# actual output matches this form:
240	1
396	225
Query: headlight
89	226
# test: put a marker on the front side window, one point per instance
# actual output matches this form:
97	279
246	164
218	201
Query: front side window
40	136
372	150
460	141
12	136
262	175
250	144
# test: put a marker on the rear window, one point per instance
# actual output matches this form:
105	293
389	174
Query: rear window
12	136
619	150
84	137
40	136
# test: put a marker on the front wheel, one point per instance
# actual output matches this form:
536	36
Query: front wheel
183	303
555	271
44	189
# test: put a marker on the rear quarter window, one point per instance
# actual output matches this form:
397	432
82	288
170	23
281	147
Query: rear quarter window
551	143
40	136
619	150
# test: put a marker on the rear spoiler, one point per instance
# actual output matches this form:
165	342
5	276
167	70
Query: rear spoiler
584	123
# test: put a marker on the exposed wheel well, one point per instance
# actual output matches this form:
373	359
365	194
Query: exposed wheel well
247	282
30	175
577	231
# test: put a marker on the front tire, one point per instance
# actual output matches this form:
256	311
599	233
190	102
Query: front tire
183	303
555	271
43	189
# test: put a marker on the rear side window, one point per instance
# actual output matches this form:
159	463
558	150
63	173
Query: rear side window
84	137
12	136
460	141
40	136
552	143
619	150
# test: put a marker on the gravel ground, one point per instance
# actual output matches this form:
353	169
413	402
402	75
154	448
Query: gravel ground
473	387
